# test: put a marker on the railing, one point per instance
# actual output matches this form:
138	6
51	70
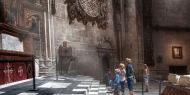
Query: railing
160	81
159	74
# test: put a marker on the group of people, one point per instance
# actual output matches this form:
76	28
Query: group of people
124	74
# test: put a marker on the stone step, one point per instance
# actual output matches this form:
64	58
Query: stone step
84	85
69	94
98	89
102	91
80	90
93	93
89	86
25	93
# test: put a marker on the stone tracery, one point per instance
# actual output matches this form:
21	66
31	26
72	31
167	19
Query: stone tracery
85	11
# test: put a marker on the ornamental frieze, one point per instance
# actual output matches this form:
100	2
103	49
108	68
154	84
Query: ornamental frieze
94	11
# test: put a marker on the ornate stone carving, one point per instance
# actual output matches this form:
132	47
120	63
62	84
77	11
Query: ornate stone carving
91	7
105	42
105	46
85	11
11	12
31	20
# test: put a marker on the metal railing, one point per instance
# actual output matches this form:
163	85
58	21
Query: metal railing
160	82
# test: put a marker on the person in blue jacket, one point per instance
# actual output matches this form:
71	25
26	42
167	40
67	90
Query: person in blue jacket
116	82
130	75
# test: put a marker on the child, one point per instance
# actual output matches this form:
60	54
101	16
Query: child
108	78
116	82
122	74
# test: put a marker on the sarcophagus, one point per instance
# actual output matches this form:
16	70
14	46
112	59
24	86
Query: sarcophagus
184	80
173	78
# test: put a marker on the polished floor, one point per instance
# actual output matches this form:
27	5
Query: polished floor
67	85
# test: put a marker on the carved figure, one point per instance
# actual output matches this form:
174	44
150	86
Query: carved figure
65	57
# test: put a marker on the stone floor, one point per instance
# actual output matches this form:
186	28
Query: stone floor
66	85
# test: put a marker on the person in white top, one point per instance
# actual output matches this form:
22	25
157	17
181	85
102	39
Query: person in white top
146	77
122	74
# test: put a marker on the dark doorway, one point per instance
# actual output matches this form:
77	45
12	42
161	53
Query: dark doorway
181	70
106	62
106	67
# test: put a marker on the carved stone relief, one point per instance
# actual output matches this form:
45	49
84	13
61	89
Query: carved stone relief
35	1
31	20
85	11
11	12
105	42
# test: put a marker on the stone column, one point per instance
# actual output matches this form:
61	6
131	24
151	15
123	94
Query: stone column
134	35
45	24
49	29
123	32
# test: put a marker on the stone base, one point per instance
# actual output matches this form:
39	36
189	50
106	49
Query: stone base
176	90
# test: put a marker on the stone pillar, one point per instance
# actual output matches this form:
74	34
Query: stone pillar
46	46
123	30
134	36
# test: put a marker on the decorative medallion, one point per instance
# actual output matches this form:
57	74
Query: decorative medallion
8	72
85	11
29	70
20	71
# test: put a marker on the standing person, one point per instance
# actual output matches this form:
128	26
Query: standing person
130	75
108	77
146	77
116	82
122	73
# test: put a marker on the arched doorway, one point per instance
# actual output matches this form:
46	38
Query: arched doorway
107	57
106	62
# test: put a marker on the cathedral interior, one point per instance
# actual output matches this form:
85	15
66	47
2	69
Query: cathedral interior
75	42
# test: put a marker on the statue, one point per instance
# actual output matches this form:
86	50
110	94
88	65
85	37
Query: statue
32	23
11	12
65	57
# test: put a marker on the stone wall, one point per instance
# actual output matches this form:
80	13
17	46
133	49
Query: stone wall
171	13
83	40
170	27
163	41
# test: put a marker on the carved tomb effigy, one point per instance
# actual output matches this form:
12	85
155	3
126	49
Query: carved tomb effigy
21	25
180	85
15	66
15	63
183	80
173	78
